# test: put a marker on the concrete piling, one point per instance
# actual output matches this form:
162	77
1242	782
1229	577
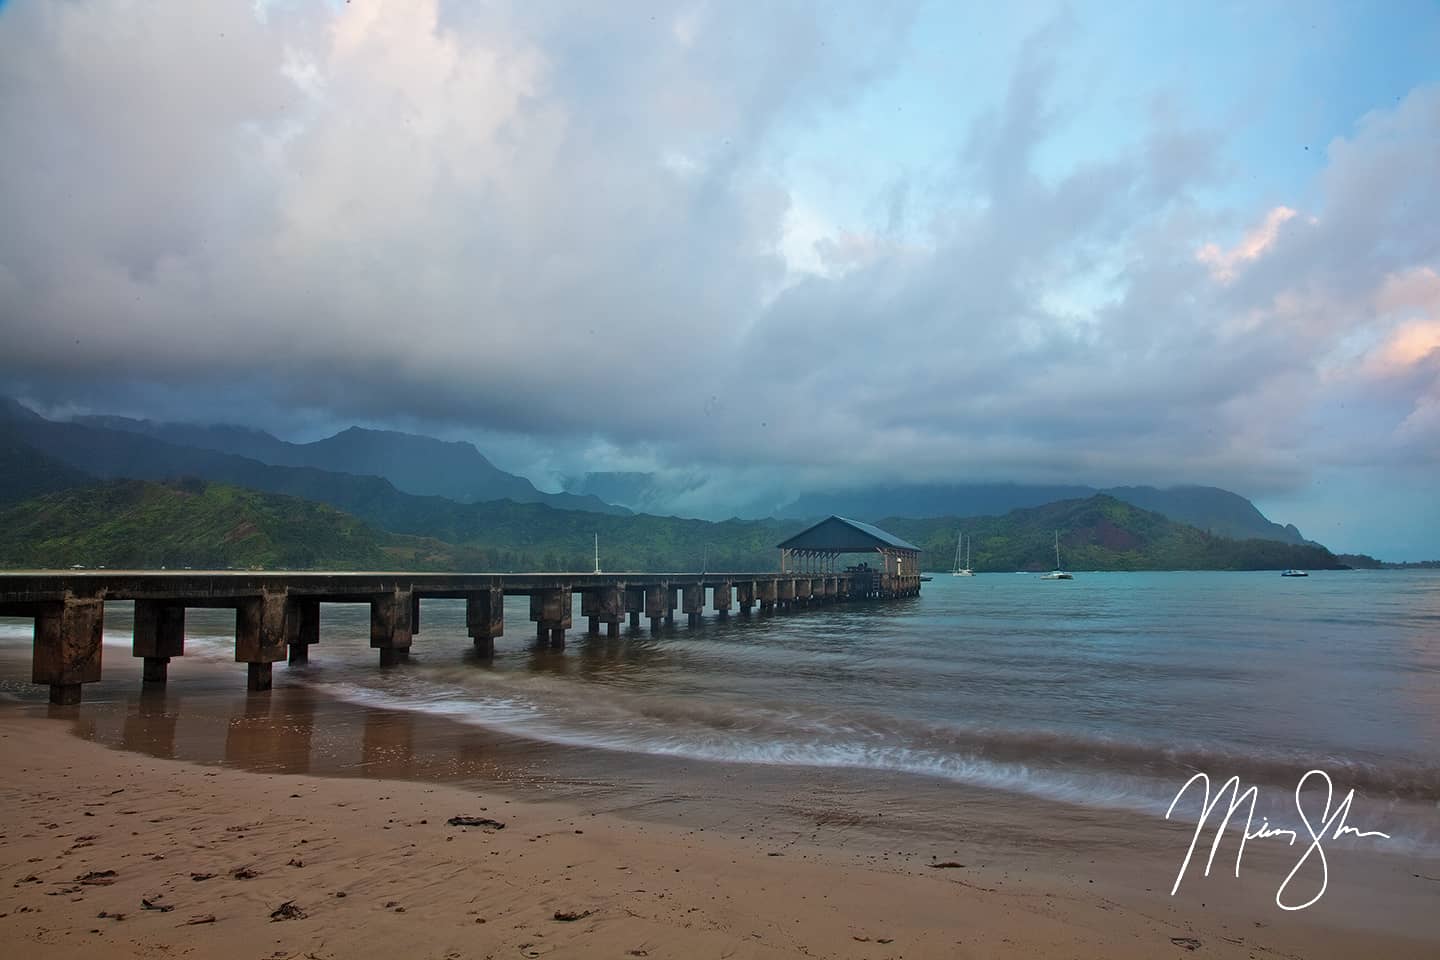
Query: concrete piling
391	631
68	645
302	625
260	635
552	610
159	635
485	619
694	602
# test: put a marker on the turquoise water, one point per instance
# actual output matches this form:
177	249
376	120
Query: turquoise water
1107	690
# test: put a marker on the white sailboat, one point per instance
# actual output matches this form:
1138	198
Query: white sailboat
1057	573
960	571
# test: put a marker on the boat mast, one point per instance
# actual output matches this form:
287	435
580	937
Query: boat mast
597	554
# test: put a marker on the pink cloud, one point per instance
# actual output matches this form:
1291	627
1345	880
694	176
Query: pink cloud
1225	265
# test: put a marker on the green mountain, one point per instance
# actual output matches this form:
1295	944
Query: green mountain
194	523
1098	533
1208	508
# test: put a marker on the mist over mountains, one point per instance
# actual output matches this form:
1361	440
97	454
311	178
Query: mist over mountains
418	484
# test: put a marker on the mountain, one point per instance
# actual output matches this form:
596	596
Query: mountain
1208	508
1099	532
26	472
193	522
197	523
424	466
420	465
511	534
14	410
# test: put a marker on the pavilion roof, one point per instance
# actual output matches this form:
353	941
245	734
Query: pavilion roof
843	535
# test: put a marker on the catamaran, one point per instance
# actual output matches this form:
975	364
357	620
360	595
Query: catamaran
964	571
1057	573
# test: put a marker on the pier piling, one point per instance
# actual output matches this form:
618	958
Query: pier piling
694	602
260	635
391	631
552	610
68	644
159	635
485	619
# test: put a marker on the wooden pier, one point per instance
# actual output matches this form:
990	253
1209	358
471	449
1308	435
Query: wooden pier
277	614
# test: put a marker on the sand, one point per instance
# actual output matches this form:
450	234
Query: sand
106	853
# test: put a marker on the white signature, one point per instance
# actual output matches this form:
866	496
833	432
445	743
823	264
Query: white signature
1330	826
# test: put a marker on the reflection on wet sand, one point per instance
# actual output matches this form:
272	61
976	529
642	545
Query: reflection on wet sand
250	740
292	720
293	730
387	745
149	728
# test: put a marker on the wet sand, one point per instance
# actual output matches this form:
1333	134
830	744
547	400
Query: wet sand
376	870
340	810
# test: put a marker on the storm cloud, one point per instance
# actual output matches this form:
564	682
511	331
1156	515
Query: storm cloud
574	226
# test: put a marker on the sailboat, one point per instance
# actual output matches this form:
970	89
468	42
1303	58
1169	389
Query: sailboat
1057	573
960	571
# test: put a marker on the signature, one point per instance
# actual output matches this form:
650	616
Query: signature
1331	825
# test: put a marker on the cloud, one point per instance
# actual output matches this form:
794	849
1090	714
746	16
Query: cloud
1225	264
573	226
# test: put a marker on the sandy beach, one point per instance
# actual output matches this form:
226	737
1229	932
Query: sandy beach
108	853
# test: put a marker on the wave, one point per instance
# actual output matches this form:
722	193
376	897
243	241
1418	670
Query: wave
1069	768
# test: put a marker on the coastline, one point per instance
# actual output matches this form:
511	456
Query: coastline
653	888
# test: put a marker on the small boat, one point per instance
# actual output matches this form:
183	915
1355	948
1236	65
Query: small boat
960	571
1293	573
1057	573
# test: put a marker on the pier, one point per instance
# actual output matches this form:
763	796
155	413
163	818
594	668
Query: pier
277	614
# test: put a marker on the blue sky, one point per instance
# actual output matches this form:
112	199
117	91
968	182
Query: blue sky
1272	83
752	248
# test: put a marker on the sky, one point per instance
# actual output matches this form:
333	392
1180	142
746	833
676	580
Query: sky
752	248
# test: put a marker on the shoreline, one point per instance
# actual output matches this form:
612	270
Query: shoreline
749	888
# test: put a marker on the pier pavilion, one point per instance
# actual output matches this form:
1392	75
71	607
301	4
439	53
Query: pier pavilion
818	550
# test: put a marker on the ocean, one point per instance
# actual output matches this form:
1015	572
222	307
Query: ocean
1106	693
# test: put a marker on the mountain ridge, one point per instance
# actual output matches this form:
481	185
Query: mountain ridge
108	447
415	464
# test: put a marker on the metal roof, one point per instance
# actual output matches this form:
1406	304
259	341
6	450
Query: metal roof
842	535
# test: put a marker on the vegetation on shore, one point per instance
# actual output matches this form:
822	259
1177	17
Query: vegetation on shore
196	523
133	523
1363	561
1098	533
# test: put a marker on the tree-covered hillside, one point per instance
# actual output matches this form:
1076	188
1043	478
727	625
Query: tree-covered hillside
132	523
1097	533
